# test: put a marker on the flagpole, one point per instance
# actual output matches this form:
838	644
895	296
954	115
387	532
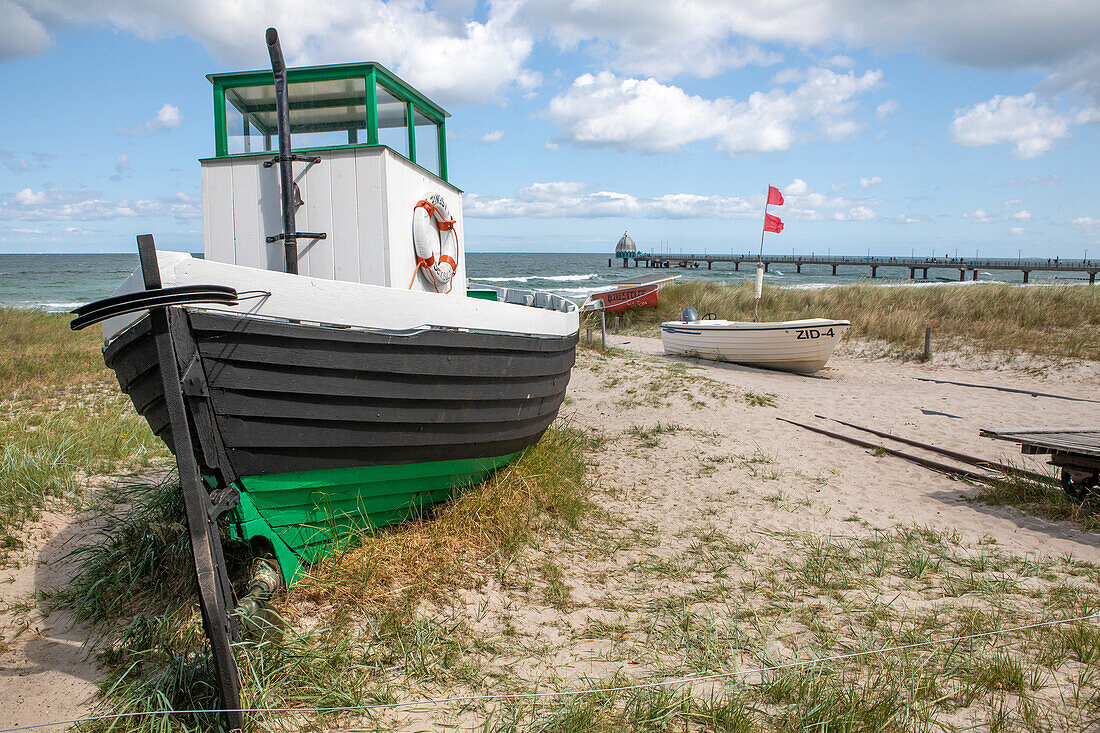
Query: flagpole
760	260
766	193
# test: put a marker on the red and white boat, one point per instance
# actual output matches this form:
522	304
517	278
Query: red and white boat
639	292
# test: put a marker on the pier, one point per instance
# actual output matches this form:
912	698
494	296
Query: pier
964	265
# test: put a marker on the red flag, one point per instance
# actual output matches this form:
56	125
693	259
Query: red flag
773	223
775	196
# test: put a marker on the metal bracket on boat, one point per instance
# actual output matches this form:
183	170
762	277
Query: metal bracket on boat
222	500
292	157
193	381
296	235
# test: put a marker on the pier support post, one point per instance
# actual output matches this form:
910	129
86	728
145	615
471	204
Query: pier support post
1026	272
975	276
834	269
736	266
798	268
874	271
609	262
962	275
709	263
925	274
1092	278
912	272
766	267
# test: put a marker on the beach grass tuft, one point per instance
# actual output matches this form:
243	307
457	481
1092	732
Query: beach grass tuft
1041	498
42	354
49	449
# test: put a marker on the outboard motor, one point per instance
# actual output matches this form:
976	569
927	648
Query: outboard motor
690	315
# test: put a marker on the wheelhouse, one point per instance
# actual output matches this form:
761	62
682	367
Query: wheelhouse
366	147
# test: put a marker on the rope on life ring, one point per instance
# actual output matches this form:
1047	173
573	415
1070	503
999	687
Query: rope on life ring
435	242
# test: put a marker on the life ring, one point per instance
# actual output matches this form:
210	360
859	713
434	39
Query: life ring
435	242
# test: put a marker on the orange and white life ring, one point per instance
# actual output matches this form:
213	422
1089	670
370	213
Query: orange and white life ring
435	242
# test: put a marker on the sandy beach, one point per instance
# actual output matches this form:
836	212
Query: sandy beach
709	504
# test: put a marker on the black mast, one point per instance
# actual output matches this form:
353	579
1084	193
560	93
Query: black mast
286	170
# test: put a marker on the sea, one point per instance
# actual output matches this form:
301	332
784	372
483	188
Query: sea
61	282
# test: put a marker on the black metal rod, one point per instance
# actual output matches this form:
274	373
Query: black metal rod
926	462
963	457
286	170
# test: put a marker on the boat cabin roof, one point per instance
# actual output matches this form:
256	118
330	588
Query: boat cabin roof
331	107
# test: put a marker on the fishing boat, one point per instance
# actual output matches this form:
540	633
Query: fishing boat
802	346
323	368
638	292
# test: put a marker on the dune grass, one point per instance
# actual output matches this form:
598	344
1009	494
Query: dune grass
341	631
48	449
41	353
1056	321
545	490
61	421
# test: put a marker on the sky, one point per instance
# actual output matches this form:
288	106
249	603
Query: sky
909	126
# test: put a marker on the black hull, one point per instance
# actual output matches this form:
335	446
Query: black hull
272	397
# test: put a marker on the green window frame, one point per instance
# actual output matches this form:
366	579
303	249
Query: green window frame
372	76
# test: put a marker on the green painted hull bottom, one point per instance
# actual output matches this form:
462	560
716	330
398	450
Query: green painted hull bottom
306	515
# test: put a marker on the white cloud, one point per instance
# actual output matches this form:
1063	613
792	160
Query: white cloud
19	164
1035	180
908	219
55	204
886	109
1022	215
1089	225
1032	126
797	187
604	110
492	137
576	200
868	182
167	117
981	216
466	52
857	213
700	38
1017	230
20	34
456	52
840	61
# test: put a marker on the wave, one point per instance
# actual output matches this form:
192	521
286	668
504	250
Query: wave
47	306
527	278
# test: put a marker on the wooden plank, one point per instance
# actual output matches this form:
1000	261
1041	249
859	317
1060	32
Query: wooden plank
243	433
262	461
374	409
218	324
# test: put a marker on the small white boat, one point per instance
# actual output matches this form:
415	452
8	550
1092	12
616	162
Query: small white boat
794	346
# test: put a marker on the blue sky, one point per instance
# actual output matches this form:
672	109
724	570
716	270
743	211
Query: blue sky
925	126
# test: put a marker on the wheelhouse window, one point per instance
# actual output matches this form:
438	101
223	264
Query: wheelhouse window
426	135
393	121
322	114
330	107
